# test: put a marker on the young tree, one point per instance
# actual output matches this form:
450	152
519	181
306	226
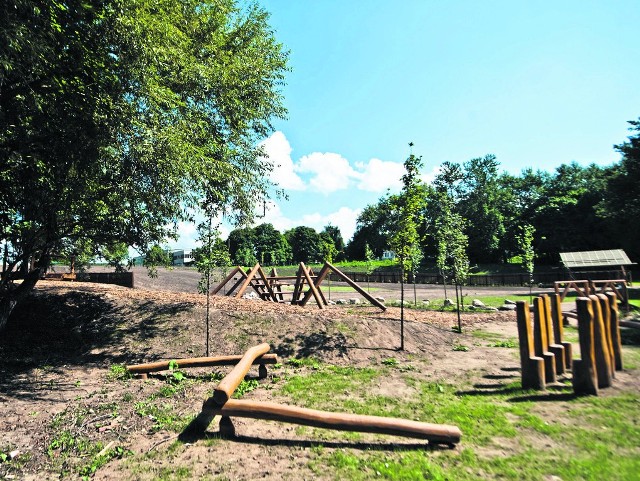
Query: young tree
212	255
405	240
527	253
118	115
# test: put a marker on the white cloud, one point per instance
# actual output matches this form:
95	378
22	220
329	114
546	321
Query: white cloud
330	172
278	150
379	175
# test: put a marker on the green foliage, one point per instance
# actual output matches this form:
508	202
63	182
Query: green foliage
156	257
244	387
118	117
118	372
211	255
306	244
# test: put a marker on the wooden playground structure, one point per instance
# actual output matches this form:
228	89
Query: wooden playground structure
221	405
545	355
305	285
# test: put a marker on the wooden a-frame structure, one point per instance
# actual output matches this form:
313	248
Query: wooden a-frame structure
305	285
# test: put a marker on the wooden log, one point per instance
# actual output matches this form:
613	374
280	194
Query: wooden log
199	362
267	285
555	348
219	287
312	287
601	348
247	281
319	279
558	330
436	433
606	320
541	340
532	367
231	381
584	371
359	289
615	331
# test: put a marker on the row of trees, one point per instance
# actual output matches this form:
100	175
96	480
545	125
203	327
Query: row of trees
573	208
268	246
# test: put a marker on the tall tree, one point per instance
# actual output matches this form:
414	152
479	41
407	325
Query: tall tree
480	204
305	244
621	203
118	116
373	227
271	247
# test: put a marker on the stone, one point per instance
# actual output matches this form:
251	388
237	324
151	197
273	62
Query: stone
354	300
448	302
477	303
509	302
508	307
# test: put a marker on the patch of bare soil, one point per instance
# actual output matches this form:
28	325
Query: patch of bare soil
58	388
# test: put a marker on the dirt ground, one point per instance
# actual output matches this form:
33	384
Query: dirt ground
59	351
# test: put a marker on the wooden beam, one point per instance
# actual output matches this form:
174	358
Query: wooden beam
362	292
312	288
435	433
319	279
227	279
199	362
297	288
267	285
231	381
248	280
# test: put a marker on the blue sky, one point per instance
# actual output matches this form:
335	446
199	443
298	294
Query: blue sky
537	84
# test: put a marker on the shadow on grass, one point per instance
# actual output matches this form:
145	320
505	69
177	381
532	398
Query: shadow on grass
59	330
307	345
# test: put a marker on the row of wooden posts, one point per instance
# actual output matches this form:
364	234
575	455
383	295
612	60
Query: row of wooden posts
545	355
221	404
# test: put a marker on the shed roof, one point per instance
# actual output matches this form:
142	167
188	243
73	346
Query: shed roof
614	257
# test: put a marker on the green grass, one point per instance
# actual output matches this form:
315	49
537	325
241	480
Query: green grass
601	433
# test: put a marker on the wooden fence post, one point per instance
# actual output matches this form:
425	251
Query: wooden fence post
615	330
541	341
556	349
558	329
584	371
601	348
532	367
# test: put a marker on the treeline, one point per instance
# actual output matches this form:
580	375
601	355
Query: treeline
573	208
268	246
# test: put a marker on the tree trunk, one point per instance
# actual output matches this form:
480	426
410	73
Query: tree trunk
11	294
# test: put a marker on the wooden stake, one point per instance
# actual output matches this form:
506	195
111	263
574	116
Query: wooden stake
555	348
541	341
615	330
436	433
558	330
584	371
532	367
601	336
231	381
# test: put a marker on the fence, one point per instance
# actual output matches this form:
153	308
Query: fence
504	279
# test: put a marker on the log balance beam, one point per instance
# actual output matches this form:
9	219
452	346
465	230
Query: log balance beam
220	404
199	362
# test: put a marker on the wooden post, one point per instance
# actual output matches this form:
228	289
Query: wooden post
541	340
558	329
601	348
247	281
584	372
199	362
615	330
606	321
312	287
556	349
231	381
435	433
532	367
234	271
